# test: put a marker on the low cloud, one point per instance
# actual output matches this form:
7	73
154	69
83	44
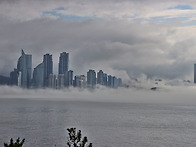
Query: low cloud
166	94
116	39
108	9
118	48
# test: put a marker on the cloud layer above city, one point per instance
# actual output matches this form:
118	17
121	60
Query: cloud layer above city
126	38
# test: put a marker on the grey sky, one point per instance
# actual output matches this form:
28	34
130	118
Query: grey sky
126	38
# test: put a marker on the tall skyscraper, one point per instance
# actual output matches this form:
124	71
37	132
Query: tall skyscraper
76	81
68	78
38	76
105	79
91	78
110	81
63	62
119	82
48	68
52	82
100	76
194	73
24	67
60	81
115	82
80	81
14	77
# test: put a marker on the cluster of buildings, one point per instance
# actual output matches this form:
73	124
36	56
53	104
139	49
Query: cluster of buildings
43	76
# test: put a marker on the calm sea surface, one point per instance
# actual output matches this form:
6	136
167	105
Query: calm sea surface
44	122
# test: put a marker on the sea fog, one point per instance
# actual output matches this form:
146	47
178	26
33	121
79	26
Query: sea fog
164	94
109	118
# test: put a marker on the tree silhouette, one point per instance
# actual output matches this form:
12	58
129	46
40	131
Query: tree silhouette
75	139
16	144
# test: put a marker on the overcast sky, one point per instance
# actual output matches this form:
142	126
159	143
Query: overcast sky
126	38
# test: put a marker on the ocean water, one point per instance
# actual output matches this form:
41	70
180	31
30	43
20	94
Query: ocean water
43	123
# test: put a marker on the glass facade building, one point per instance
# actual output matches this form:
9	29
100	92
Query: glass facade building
14	77
194	73
63	62
48	68
69	78
100	76
38	76
43	74
24	66
91	78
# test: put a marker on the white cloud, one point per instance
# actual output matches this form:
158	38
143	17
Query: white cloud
117	47
113	43
109	9
166	94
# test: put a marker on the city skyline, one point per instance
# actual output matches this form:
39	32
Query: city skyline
126	38
44	77
123	72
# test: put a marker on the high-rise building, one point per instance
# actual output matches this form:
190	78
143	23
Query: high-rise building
60	81
38	76
80	81
52	82
100	76
91	78
76	81
115	82
119	82
24	66
110	81
63	62
69	78
48	68
19	78
105	79
14	77
194	73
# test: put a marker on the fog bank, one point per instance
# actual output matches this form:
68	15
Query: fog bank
164	94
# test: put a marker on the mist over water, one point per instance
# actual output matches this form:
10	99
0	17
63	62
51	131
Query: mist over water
108	117
164	94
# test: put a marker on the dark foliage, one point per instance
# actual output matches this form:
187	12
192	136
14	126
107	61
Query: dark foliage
75	139
18	143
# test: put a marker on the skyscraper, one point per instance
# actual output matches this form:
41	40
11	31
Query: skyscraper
24	67
110	81
52	82
48	68
194	73
60	81
105	79
91	78
76	81
14	77
80	81
68	78
38	76
119	82
63	62
115	82
100	76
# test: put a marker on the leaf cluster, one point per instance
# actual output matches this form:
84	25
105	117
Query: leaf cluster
18	143
75	139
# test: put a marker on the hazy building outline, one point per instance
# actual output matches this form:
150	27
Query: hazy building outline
24	67
38	76
48	68
43	74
